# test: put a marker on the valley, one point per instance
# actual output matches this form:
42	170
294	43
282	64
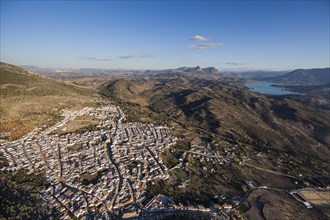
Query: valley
165	110
174	143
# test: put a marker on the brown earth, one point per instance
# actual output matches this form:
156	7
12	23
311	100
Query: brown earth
271	205
30	100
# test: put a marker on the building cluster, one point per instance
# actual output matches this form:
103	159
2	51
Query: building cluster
98	172
210	156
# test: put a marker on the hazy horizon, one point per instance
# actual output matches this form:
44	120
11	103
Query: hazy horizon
164	35
174	67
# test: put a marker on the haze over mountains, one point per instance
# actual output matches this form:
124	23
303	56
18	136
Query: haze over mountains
317	76
255	74
188	72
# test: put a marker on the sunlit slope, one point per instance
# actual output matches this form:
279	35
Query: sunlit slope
233	111
30	100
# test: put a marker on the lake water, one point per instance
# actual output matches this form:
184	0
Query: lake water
267	88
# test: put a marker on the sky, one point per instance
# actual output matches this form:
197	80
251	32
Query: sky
241	35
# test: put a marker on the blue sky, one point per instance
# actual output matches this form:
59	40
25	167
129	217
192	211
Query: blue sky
156	35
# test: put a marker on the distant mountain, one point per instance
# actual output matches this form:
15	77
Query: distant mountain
90	71
256	74
187	72
318	76
31	68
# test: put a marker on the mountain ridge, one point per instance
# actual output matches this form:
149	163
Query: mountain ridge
316	76
187	72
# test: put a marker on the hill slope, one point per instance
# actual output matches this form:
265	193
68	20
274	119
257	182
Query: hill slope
30	100
302	77
232	111
220	107
279	133
20	194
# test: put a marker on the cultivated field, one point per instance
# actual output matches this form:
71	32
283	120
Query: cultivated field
321	198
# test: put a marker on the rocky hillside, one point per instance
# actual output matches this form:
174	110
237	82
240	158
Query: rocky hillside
230	110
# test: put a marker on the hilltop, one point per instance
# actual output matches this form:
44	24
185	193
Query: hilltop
30	100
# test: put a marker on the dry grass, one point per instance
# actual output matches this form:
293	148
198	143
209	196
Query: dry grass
321	198
311	195
30	100
320	202
22	114
140	101
267	204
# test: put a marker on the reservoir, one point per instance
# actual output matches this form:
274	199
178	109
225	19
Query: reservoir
268	88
